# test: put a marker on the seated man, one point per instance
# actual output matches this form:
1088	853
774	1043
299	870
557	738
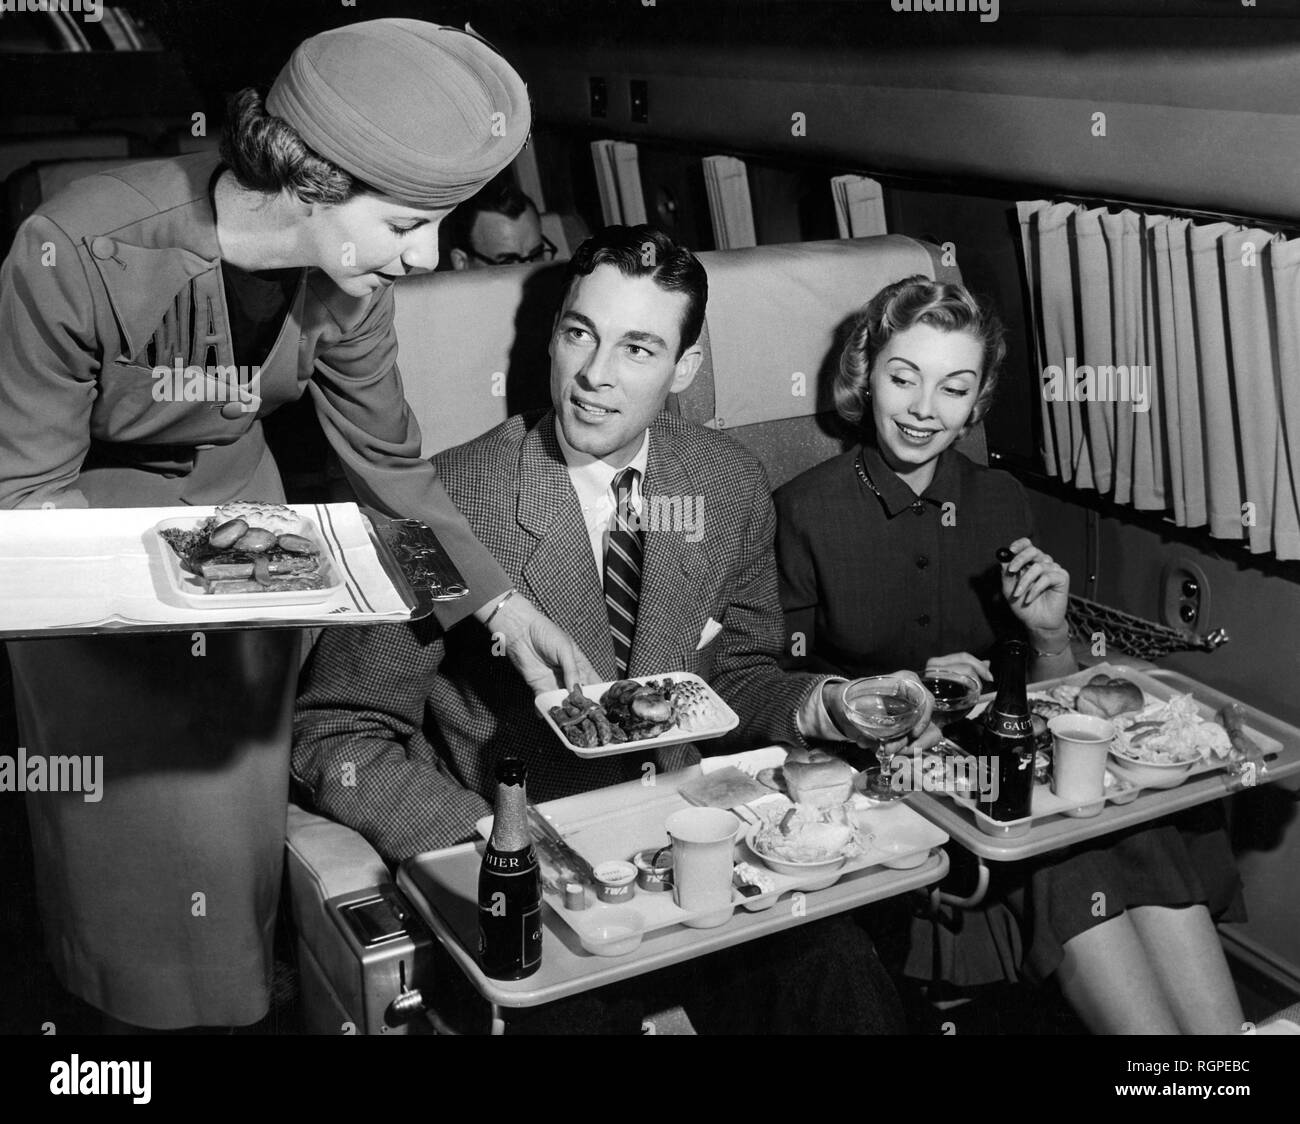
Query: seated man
399	728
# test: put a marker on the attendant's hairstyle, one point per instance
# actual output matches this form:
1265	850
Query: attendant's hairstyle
266	154
499	196
903	305
642	251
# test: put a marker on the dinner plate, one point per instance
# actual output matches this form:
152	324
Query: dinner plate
189	587
728	719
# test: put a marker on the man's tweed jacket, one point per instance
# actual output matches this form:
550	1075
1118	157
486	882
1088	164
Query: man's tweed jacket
399	727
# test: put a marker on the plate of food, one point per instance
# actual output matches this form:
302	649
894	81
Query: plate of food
1160	739
606	719
245	554
808	841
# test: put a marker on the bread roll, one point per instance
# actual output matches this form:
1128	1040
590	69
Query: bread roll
1109	697
823	781
273	517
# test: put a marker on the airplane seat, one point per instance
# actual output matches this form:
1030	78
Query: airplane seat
778	317
773	309
18	152
350	974
770	307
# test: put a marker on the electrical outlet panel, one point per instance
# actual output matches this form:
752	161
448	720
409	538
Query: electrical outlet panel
1185	596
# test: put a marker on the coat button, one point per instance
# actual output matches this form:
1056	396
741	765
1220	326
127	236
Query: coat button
922	561
231	411
103	248
923	619
918	506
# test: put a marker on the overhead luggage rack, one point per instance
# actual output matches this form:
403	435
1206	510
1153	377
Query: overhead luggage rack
1135	636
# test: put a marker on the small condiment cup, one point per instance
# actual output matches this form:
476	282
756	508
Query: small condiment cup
654	869
612	932
615	882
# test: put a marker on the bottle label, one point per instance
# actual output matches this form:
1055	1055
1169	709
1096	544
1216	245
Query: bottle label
510	863
1010	725
509	941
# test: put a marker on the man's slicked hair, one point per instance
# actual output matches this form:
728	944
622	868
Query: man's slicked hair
642	251
499	196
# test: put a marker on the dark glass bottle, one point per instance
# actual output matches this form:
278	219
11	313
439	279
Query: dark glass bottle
1008	740
509	889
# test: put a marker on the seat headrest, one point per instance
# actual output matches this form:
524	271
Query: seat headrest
473	345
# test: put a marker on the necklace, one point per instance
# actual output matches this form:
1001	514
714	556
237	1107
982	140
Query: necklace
865	477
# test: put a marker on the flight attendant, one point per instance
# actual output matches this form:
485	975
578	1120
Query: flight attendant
159	901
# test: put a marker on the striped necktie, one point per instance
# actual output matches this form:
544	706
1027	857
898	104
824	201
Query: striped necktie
623	555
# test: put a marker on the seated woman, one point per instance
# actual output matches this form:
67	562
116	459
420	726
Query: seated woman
887	557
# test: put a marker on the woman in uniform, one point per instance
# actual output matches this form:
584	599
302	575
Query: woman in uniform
159	901
886	557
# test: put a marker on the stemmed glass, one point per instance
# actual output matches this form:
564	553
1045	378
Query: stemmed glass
885	708
955	695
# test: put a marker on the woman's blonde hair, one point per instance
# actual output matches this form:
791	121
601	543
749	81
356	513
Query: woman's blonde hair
903	305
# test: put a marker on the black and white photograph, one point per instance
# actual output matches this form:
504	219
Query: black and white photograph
636	518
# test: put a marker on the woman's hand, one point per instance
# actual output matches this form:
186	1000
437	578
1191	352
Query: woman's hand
963	662
543	652
1036	588
923	734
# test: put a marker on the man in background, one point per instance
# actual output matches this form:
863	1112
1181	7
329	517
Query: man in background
498	226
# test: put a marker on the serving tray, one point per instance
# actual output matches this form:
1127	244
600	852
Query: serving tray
899	835
1044	803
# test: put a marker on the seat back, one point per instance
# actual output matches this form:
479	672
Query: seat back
474	344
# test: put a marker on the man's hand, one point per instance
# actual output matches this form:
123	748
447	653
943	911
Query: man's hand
544	653
923	734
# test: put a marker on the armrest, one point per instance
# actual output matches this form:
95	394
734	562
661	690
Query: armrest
325	860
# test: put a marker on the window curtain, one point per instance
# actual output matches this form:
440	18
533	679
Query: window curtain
1170	366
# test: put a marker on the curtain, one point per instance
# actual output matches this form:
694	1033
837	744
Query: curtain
1170	366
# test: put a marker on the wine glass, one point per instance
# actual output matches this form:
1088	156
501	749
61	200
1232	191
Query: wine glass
885	708
955	695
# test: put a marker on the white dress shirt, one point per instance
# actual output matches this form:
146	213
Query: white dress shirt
593	481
